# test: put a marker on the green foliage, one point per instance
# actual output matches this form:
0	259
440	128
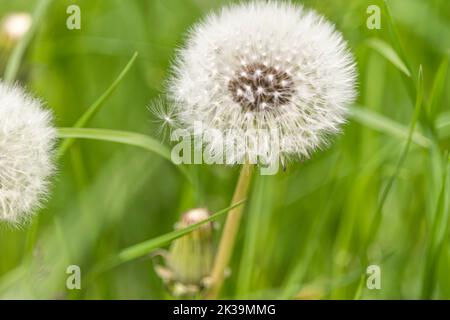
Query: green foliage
378	195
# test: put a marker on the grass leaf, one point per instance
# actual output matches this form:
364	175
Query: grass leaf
386	125
95	107
438	236
389	53
146	247
395	36
437	90
409	80
13	65
124	137
417	111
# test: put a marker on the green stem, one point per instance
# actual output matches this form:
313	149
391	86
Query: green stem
229	234
12	67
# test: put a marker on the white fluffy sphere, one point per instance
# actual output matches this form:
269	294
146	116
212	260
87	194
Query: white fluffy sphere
261	66
26	143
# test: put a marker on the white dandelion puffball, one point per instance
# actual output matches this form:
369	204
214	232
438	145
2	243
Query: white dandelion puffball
16	25
26	149
261	66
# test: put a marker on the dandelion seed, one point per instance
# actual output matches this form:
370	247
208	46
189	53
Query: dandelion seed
164	116
290	71
26	146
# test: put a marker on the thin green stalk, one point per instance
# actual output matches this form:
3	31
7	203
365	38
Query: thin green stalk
11	71
383	124
359	289
379	213
13	65
67	143
30	240
146	247
229	233
123	137
95	107
438	236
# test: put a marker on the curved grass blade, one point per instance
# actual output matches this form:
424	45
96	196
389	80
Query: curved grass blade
294	281
123	137
385	125
146	247
438	237
258	214
95	107
13	65
359	289
437	90
443	125
389	54
409	81
417	111
394	35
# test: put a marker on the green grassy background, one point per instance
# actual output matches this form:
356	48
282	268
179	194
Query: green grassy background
308	232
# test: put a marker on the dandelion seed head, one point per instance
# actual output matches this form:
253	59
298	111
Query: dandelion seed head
16	25
26	150
265	65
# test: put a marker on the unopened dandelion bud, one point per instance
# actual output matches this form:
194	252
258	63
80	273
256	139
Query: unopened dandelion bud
189	260
191	256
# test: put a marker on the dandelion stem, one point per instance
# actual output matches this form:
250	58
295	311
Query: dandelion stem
13	65
230	230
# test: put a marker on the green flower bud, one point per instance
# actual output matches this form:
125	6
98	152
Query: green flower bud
188	262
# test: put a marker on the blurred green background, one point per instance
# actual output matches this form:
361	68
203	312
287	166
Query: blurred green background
309	232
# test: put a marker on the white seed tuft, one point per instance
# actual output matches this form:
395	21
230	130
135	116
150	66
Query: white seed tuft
290	71
26	147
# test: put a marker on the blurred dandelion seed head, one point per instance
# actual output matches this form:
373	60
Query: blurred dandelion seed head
15	25
26	146
265	65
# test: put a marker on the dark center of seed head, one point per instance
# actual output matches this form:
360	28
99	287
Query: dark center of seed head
259	87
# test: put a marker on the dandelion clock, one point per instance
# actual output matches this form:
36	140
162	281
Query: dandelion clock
263	67
26	143
256	70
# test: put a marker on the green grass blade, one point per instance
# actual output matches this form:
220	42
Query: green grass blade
389	54
124	137
13	65
257	218
95	107
146	247
417	111
443	125
395	36
386	125
360	288
409	81
437	90
438	236
293	282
